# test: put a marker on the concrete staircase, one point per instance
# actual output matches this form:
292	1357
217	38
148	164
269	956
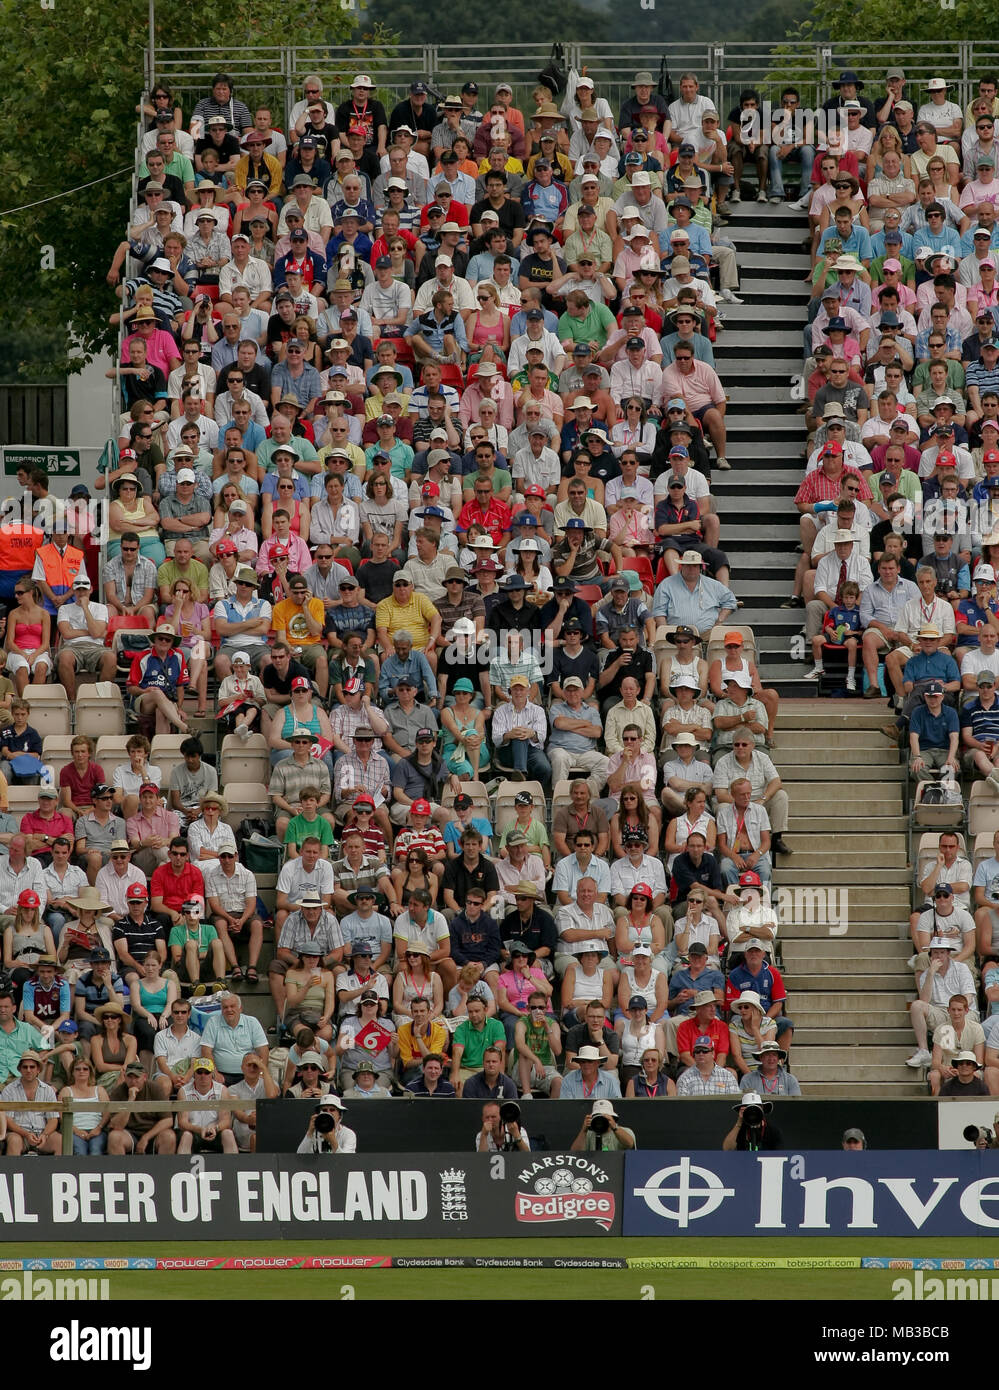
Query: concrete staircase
757	353
847	989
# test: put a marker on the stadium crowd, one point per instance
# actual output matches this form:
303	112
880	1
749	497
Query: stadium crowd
516	785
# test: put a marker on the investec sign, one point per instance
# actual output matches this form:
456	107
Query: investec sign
898	1193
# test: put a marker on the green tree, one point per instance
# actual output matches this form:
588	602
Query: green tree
479	21
70	77
854	21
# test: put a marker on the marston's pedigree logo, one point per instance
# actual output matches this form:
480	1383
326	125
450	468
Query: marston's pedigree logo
564	1187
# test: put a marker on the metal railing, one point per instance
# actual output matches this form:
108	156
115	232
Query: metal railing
274	75
66	1109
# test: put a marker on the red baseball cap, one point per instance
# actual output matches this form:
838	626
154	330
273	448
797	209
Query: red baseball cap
946	459
642	890
420	807
833	447
534	490
136	891
226	547
430	489
301	683
150	787
749	880
28	898
282	549
364	800
991	456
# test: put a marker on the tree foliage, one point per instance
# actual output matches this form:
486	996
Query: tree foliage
70	77
480	22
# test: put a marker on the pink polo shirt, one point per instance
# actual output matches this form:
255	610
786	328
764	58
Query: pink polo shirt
699	388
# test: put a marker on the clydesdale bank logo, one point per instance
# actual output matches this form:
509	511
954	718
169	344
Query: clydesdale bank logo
564	1187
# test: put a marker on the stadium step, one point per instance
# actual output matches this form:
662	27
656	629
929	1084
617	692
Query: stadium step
818	928
882	754
850	986
866	957
878	1034
884	1073
894	1021
862	1090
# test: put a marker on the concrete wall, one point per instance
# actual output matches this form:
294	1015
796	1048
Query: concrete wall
89	412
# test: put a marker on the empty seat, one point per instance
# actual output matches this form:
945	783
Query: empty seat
244	760
560	796
49	709
100	710
504	802
983	810
245	799
166	755
21	799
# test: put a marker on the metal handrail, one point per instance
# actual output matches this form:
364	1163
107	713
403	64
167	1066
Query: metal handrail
276	73
67	1108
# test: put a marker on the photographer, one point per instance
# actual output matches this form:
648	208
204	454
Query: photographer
752	1130
501	1130
327	1134
601	1131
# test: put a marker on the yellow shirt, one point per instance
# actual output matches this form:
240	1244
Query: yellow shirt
413	617
287	616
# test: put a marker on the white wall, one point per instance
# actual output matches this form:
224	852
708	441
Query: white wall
89	412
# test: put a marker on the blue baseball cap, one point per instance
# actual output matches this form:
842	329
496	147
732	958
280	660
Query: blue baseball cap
433	511
525	519
703	1040
576	523
678	451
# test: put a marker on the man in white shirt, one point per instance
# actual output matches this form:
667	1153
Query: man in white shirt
686	113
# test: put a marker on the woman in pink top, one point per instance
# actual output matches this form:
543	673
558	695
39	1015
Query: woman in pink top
29	629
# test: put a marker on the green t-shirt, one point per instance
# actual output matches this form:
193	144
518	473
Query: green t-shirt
596	326
500	479
536	834
180	936
538	1039
299	827
475	1043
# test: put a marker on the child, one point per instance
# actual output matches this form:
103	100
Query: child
840	628
127	780
361	816
530	825
630	533
17	740
421	833
309	821
240	699
464	816
192	941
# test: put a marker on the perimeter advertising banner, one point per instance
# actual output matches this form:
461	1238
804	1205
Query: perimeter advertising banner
270	1197
897	1193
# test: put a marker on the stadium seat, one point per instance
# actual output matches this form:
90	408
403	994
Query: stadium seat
100	710
560	796
983	810
505	810
49	709
927	852
642	566
111	752
476	790
166	755
55	752
244	760
982	847
245	799
950	816
21	799
716	641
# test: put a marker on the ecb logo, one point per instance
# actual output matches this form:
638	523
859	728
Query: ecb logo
683	1193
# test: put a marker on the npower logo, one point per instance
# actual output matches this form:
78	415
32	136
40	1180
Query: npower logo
830	1193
